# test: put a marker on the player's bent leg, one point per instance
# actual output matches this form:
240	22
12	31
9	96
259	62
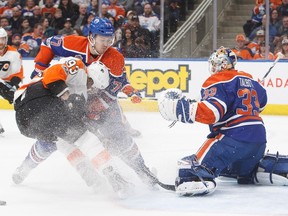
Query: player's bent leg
273	170
101	159
39	152
193	179
81	164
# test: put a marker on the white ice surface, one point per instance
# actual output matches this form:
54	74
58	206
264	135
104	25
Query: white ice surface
55	189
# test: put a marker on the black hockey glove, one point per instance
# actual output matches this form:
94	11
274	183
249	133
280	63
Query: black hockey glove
76	105
7	91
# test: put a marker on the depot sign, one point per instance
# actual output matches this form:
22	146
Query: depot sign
151	76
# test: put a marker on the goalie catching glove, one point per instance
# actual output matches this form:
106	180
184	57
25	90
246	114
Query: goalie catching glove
175	107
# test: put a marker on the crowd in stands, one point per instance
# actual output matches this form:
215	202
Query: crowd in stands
137	22
251	44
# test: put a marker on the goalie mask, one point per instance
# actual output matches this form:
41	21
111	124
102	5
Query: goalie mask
222	59
99	73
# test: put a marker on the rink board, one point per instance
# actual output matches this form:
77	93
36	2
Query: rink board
152	76
148	105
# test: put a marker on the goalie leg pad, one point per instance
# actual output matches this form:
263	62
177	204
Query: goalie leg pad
193	178
273	170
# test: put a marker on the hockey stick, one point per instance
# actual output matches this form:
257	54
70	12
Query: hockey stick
13	88
166	186
272	66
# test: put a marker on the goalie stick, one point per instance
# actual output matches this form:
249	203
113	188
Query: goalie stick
166	186
272	66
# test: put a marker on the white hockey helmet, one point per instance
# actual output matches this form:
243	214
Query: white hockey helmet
222	59
99	73
3	34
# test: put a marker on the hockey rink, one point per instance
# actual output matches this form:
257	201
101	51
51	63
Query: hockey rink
55	189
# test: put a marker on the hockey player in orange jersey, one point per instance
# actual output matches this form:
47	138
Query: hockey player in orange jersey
104	115
11	70
51	108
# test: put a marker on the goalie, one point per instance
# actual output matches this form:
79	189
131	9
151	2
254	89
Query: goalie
230	104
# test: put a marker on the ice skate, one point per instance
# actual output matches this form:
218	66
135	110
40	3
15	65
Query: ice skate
90	176
122	188
21	173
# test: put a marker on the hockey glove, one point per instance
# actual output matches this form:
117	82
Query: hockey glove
76	105
174	107
136	97
184	110
7	89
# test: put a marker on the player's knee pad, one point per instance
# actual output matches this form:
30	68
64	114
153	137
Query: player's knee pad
193	178
273	170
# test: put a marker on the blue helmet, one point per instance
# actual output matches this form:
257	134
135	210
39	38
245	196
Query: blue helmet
101	26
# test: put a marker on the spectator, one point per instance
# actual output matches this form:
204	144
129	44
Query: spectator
138	31
116	10
127	19
274	19
48	10
126	41
15	19
57	21
282	30
254	45
150	21
21	46
36	16
28	8
128	5
47	29
4	22
6	11
256	19
283	9
85	28
272	32
69	9
138	49
77	32
174	15
284	51
25	26
260	54
34	39
93	7
273	3
241	50
104	11
139	6
82	16
67	30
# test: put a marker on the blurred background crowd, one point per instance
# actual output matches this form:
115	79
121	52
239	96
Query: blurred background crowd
137	22
251	44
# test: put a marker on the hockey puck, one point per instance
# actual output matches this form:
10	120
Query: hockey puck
2	203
